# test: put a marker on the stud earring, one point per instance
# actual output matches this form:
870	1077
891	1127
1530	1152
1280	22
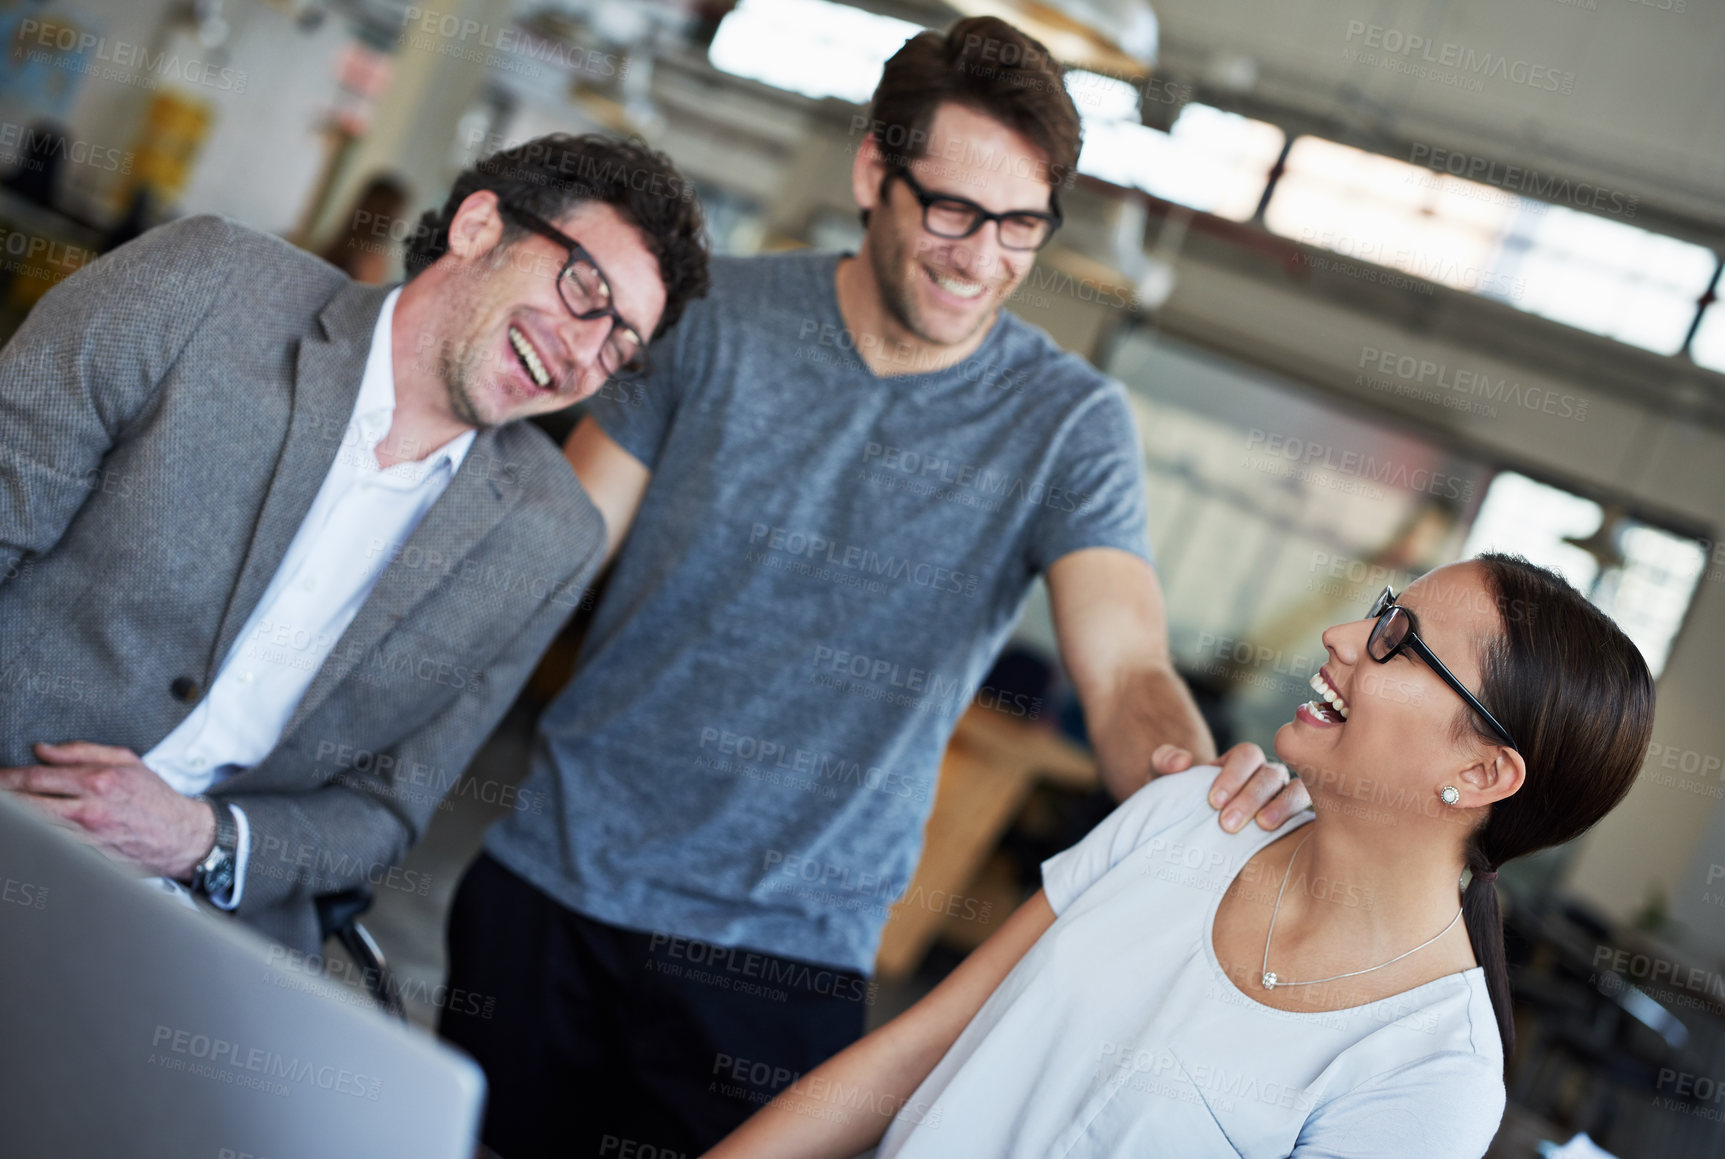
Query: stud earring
1450	794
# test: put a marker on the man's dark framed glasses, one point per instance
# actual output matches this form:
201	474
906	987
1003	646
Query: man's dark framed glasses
956	218
1397	631
586	291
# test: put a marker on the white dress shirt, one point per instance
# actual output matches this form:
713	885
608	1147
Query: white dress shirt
323	579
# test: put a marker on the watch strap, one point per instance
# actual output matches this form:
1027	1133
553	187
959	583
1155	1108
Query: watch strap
215	873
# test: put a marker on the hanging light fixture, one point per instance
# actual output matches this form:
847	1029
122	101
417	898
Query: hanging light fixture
1602	542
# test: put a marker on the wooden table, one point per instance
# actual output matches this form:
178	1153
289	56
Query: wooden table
989	770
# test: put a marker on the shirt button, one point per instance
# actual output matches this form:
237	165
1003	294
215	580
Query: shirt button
198	764
245	677
308	584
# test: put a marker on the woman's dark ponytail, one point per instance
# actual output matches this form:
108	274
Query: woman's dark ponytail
1577	695
1484	920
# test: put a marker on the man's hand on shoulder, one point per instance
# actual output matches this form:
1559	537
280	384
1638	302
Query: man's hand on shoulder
1248	786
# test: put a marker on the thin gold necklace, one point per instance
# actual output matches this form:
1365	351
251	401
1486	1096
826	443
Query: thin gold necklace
1270	979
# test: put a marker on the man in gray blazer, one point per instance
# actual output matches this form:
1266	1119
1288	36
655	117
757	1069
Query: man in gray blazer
275	552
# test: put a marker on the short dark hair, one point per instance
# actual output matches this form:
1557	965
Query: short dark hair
551	175
988	65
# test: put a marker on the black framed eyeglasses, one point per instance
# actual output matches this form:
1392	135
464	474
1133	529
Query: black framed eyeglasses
1396	630
957	218
586	291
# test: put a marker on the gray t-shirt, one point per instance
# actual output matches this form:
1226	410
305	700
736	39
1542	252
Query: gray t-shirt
823	567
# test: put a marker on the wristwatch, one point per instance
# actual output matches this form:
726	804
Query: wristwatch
214	875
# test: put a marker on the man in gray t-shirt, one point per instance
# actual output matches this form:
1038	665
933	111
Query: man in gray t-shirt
827	502
818	578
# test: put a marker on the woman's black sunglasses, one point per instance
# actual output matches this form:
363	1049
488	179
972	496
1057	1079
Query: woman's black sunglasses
1396	631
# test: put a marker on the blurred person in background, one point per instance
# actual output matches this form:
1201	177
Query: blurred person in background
275	547
1166	992
838	464
35	173
361	249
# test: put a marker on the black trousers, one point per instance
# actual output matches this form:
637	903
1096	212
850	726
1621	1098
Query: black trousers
602	1041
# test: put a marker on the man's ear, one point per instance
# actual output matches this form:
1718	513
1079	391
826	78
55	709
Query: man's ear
477	225
867	169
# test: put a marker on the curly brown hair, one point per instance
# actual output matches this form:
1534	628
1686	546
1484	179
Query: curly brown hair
551	175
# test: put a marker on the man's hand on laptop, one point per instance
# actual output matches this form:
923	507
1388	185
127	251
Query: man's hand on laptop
1248	786
112	800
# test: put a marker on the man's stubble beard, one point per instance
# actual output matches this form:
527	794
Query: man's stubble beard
460	362
898	296
457	369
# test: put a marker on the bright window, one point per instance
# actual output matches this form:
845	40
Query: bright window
812	47
1577	268
1380	210
1708	348
1644	581
1210	160
1603	276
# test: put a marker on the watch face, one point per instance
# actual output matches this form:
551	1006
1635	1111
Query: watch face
220	878
215	874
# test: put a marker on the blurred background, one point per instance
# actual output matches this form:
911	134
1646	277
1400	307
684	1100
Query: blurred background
1390	283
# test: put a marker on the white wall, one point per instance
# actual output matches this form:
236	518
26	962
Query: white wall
413	130
266	150
262	153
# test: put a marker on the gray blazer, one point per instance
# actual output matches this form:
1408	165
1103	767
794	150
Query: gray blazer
167	416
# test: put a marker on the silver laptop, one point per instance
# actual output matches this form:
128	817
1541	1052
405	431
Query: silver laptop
133	1025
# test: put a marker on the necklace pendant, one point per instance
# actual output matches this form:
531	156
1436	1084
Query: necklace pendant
1269	980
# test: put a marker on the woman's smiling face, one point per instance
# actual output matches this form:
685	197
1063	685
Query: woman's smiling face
1384	735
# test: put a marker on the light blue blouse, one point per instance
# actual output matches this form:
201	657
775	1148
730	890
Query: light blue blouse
1119	1034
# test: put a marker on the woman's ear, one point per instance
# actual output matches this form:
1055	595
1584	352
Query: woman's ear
1498	775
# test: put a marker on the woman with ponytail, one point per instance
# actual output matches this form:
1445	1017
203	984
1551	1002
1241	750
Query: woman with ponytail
1332	988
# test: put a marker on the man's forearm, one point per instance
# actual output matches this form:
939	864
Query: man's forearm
1148	707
